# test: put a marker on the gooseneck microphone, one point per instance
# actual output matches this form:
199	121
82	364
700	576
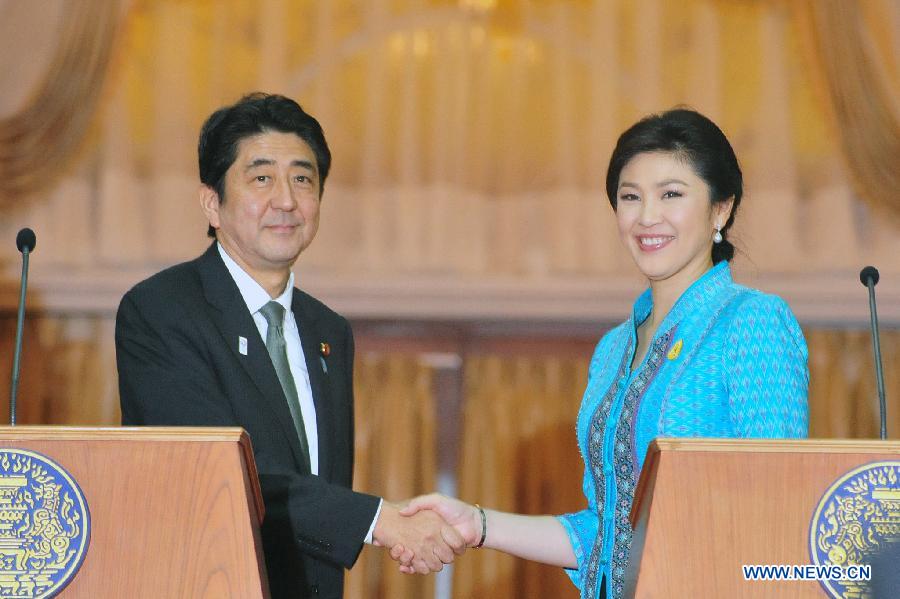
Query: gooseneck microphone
25	241
869	277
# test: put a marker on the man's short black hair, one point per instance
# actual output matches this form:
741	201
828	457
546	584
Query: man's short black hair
251	115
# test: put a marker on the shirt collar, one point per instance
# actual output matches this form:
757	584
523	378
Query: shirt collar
694	297
254	295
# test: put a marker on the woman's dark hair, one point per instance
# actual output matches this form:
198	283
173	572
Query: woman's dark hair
254	114
701	143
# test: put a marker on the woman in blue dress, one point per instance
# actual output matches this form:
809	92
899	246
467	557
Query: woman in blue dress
700	356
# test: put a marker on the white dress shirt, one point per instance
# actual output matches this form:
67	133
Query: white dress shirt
256	297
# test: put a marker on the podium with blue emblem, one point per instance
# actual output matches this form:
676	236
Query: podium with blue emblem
767	518
129	512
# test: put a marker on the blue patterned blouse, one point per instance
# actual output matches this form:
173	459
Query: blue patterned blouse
727	361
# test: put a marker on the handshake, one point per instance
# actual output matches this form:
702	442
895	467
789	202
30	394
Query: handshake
427	532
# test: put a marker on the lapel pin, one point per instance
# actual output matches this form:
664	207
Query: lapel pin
676	349
242	345
324	350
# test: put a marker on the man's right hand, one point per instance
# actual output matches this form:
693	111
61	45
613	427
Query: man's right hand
431	540
459	514
464	518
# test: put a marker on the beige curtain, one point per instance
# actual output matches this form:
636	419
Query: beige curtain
854	48
41	140
519	454
396	458
469	139
843	401
68	372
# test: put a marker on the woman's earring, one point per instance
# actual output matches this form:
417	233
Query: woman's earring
717	238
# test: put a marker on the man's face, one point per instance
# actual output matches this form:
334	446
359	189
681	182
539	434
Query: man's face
270	212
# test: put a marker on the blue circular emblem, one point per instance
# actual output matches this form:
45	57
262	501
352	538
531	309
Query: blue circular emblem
858	517
44	525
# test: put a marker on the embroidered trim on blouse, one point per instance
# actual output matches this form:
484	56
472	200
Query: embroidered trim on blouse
595	459
623	471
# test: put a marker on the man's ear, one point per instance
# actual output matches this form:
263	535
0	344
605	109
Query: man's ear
209	203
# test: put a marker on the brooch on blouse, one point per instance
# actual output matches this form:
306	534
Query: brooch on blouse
676	349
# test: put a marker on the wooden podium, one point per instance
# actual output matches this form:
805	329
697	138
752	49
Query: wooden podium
174	512
705	508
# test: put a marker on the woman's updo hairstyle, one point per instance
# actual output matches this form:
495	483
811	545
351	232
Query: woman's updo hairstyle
700	143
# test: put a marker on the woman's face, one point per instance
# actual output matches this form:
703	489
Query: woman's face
665	217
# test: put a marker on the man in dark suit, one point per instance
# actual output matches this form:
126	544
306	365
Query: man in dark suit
226	340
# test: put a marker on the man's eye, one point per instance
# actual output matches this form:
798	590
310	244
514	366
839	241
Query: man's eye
262	178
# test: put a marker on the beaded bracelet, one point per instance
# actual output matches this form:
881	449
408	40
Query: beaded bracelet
483	527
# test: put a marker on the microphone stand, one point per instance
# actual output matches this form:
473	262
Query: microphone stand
869	277
25	241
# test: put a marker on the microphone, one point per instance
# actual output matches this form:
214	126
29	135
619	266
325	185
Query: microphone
869	277
25	242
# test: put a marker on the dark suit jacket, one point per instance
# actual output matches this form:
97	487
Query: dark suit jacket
179	364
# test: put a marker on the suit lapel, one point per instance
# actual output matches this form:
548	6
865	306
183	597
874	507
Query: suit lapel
234	321
310	339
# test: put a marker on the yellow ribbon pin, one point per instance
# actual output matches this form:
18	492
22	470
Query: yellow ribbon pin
676	349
